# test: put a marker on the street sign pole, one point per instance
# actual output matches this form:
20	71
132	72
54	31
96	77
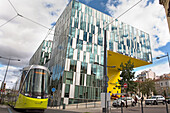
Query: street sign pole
125	86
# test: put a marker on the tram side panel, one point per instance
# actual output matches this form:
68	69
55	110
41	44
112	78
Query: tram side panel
28	97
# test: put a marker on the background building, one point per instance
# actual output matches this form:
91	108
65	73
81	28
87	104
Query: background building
146	75
42	54
162	85
78	53
166	4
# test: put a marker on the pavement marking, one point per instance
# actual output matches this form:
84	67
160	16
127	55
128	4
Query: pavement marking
9	110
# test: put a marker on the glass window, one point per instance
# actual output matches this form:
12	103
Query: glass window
95	49
79	7
82	79
71	53
73	65
81	91
69	77
76	23
83	67
88	80
91	58
36	83
78	55
76	93
73	13
98	22
94	69
90	37
111	45
100	41
67	90
85	36
89	92
76	5
80	45
84	57
73	32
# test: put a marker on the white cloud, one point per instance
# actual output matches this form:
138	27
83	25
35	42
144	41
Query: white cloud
149	19
20	38
11	77
87	1
158	69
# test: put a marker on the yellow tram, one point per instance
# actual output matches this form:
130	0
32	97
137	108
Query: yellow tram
31	90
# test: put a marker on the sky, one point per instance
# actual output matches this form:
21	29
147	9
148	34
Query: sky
20	37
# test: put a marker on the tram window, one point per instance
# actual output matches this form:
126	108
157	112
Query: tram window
36	83
22	78
26	86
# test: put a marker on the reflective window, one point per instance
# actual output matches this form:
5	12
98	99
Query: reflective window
67	90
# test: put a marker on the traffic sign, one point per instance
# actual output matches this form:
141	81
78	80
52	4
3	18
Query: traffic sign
53	89
125	85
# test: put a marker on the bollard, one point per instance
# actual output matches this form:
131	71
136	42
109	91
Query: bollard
64	106
121	107
166	106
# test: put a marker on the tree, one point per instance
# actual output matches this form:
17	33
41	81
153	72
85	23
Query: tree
147	87
127	75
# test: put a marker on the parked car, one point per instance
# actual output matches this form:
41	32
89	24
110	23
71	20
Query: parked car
118	102
155	100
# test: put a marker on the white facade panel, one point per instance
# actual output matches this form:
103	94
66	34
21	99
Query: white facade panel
79	19
72	22
83	7
74	78
71	93
84	45
78	66
85	78
77	78
63	90
75	54
81	55
87	57
89	68
98	50
65	101
67	64
74	43
81	35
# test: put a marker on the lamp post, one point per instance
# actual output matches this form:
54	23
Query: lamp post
9	59
164	56
169	67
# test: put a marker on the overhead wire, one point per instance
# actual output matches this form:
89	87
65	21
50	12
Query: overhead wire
18	14
13	6
8	21
33	21
123	13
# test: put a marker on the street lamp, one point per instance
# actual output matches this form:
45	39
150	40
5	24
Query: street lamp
9	59
164	56
169	67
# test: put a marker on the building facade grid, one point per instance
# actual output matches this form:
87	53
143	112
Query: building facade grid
79	43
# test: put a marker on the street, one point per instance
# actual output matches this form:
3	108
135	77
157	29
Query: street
136	109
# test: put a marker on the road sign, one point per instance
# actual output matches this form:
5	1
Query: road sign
53	89
125	85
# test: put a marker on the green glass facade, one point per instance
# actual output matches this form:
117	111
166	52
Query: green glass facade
79	42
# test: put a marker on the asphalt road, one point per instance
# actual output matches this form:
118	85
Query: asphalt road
147	109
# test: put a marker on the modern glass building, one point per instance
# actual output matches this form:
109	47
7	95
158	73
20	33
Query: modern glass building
78	52
42	54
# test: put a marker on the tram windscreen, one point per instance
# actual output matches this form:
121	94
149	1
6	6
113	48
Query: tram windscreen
36	84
